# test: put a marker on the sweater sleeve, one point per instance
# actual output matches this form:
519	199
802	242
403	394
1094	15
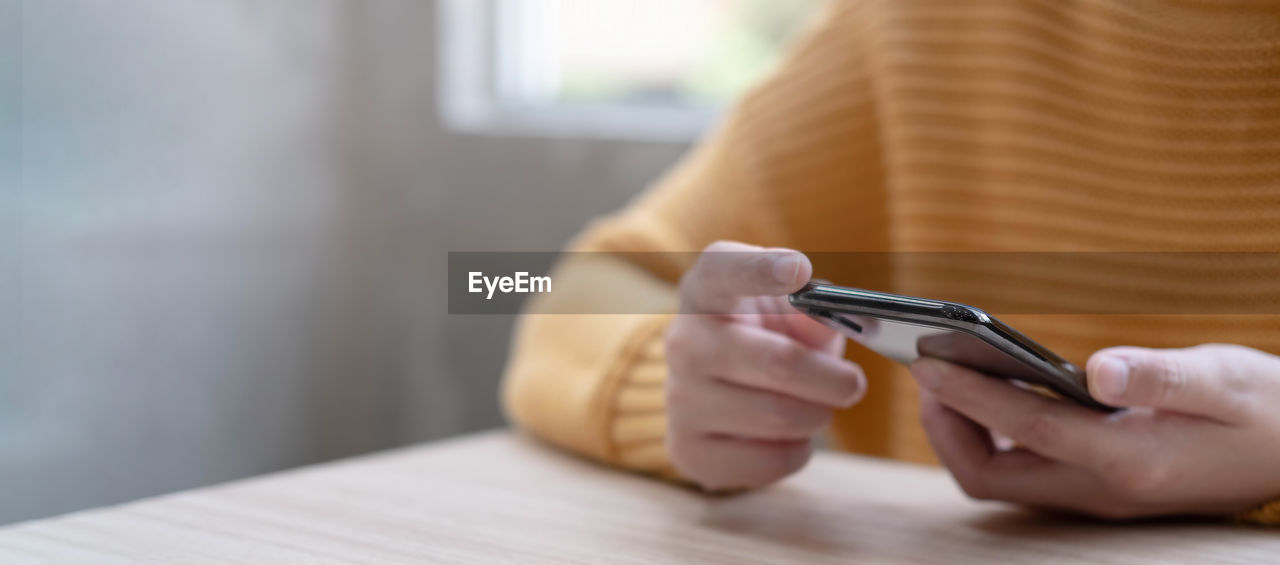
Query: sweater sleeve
1266	515
776	173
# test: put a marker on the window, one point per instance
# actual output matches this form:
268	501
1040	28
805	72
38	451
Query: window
655	69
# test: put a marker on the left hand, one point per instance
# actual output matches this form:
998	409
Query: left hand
1201	435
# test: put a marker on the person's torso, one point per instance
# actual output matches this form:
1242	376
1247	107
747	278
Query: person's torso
1113	154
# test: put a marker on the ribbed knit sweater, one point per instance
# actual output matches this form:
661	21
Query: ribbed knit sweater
942	126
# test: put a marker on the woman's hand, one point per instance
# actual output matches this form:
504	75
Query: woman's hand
1201	435
750	379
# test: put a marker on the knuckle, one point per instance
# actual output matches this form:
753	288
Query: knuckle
1239	371
1238	398
786	359
1239	376
1170	378
715	258
758	265
719	245
974	487
1221	349
1236	381
972	482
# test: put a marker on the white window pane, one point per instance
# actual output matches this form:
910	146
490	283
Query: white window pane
640	52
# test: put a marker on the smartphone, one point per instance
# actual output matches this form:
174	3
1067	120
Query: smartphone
905	328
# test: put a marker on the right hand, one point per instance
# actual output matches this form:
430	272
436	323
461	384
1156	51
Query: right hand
750	379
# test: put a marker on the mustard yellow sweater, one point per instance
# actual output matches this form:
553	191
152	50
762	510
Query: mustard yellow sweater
943	126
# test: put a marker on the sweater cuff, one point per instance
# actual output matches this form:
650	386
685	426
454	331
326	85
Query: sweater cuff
1268	514
636	412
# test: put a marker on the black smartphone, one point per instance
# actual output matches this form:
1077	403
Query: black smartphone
904	328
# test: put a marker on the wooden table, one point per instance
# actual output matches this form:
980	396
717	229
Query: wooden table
499	497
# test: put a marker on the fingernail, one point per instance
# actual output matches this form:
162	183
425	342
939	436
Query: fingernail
1113	377
786	268
927	373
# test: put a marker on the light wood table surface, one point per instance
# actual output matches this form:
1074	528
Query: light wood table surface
499	497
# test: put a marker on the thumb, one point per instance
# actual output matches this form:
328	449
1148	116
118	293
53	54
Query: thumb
728	270
1211	381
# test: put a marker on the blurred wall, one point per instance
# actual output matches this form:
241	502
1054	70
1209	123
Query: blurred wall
223	237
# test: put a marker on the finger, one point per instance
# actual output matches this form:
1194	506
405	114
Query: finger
811	332
726	271
719	408
1016	476
1213	381
757	358
959	443
719	463
778	315
1053	428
